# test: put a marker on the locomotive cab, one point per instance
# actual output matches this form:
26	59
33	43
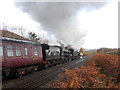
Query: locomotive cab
51	55
44	48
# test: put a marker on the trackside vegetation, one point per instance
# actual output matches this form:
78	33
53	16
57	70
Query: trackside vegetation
101	71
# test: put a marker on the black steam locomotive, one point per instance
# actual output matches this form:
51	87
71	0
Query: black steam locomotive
53	55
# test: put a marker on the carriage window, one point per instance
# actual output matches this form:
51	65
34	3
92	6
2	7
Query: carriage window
9	50
26	51
18	51
36	51
1	51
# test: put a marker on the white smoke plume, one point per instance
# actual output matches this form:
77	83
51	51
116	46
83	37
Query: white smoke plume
60	18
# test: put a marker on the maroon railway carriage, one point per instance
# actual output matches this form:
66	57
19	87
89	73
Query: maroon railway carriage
19	56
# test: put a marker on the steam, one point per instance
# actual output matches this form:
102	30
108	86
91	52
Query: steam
60	19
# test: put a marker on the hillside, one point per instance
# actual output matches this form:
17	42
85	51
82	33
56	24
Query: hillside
108	51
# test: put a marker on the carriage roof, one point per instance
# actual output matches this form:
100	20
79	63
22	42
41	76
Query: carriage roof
16	40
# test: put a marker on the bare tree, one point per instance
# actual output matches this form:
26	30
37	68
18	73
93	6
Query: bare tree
4	26
12	28
35	38
81	50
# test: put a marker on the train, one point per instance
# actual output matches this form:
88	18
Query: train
18	57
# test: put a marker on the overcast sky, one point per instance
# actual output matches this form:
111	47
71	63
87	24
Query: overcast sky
82	24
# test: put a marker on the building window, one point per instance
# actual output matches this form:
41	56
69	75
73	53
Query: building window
36	51
18	51
26	51
1	50
9	50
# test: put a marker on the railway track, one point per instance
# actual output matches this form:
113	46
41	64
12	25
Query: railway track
49	74
45	77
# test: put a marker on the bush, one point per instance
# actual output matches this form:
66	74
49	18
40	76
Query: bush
107	63
99	72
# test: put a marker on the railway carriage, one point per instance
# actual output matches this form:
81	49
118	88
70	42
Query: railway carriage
19	56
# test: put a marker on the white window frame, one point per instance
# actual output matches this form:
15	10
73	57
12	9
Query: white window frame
1	50
18	50
26	51
35	52
10	51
